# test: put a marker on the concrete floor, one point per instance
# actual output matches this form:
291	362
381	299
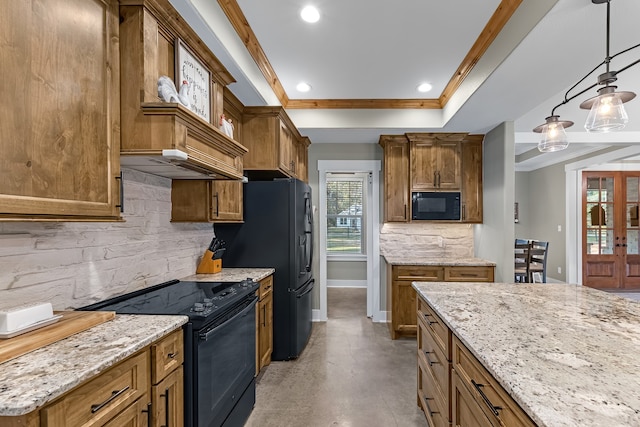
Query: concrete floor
351	374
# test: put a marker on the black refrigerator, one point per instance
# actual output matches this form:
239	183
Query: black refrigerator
278	232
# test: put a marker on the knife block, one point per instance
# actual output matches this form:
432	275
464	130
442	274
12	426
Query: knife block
208	265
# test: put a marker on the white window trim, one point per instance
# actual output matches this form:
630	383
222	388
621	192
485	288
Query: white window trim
373	232
360	176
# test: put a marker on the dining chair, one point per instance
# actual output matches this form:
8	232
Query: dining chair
538	260
522	256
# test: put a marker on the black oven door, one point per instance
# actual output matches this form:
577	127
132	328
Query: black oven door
225	355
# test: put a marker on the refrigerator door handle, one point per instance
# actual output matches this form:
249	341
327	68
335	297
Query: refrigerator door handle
306	291
309	215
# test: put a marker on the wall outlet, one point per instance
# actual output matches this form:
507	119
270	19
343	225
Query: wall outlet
559	270
559	228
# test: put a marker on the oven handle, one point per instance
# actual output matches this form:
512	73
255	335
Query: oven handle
249	307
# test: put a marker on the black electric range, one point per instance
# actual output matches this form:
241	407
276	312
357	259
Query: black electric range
219	343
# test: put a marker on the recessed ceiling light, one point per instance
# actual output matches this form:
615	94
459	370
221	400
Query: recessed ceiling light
303	87
424	87
310	14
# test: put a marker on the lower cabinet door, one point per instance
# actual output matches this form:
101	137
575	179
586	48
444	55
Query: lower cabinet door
167	399
466	410
135	415
434	406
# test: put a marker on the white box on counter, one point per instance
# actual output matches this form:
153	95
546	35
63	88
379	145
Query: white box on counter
16	318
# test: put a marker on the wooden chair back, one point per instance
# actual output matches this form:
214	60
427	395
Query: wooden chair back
522	260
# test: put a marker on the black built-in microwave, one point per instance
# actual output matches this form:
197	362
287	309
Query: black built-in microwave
435	206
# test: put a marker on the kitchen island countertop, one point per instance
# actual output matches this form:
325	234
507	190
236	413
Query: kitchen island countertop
567	354
231	275
36	378
410	259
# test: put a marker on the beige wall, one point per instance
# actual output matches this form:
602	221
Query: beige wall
73	264
494	238
347	270
542	194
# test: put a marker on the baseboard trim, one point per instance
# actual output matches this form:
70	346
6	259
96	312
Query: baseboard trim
346	283
316	316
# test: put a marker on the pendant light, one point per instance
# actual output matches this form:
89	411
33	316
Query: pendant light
607	112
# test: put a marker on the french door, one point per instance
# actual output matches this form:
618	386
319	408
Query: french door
610	230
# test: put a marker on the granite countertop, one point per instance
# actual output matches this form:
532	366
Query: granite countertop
400	259
567	354
36	378
231	275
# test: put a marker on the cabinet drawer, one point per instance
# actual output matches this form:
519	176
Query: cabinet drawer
434	360
495	402
266	286
468	274
466	411
100	399
166	355
416	273
439	331
135	415
434	405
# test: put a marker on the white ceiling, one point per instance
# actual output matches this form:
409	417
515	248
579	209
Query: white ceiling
373	49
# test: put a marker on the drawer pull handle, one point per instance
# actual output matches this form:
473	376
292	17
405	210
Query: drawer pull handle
430	322
426	401
426	354
172	355
114	394
491	406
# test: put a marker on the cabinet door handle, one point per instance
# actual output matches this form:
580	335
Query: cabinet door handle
166	408
114	394
264	316
148	412
435	179
438	179
121	205
426	401
172	355
491	406
464	212
217	204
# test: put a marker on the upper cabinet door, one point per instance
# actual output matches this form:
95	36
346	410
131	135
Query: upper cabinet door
435	163
396	178
60	133
472	180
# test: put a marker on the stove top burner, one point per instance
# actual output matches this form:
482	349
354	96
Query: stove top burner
198	300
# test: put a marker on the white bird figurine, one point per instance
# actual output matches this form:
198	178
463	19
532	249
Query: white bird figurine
168	93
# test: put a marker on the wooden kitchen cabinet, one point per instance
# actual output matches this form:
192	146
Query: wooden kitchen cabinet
163	138
274	144
145	389
206	201
396	177
60	132
264	326
471	194
432	162
401	297
103	397
453	386
434	366
435	161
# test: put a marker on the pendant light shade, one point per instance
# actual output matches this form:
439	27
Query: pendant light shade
607	112
554	138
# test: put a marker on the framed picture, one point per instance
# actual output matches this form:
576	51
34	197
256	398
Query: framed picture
194	72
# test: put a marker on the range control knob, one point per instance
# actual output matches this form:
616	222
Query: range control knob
198	306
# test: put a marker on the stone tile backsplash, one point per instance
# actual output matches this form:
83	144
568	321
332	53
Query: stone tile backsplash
72	264
427	239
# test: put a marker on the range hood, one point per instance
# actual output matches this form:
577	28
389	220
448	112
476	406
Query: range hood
172	164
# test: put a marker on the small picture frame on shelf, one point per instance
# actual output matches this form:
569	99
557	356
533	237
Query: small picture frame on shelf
190	69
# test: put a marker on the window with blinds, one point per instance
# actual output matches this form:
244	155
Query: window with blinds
345	215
